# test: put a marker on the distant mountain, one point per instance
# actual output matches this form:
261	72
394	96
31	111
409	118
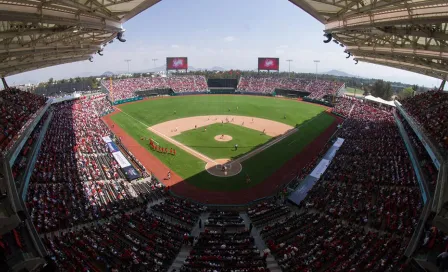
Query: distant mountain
107	74
217	68
160	69
338	73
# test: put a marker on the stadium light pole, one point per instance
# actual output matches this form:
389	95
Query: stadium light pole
154	60
128	60
289	67
317	63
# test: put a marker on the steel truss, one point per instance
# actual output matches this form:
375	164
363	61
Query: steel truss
406	34
37	34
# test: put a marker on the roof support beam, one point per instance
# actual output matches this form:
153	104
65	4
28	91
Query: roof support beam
426	70
419	61
37	65
40	59
417	33
33	14
10	60
98	9
48	49
29	32
400	51
420	15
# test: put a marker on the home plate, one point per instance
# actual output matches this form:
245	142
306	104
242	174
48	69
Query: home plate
223	168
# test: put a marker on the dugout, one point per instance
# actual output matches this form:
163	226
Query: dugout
154	92
291	93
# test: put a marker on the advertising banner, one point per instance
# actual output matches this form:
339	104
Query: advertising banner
131	173
107	139
121	159
122	101
112	147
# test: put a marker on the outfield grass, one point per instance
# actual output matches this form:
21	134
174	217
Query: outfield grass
205	143
137	117
157	111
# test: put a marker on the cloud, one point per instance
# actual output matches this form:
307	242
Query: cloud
229	39
175	46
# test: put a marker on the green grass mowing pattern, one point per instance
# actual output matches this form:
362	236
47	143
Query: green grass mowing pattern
265	163
205	143
259	167
184	164
152	112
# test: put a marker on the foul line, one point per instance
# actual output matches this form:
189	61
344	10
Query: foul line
266	146
184	147
205	158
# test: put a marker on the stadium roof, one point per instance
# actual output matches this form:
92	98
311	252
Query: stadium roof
40	33
406	34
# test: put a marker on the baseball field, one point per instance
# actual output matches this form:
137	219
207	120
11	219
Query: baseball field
252	136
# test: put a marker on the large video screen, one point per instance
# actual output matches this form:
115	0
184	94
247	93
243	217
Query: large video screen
268	64
176	63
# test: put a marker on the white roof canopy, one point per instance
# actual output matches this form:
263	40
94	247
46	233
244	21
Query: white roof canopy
405	34
36	34
379	100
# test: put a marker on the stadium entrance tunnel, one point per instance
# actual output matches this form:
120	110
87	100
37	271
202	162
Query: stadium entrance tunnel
223	168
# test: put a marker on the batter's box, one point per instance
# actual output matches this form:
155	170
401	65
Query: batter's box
223	169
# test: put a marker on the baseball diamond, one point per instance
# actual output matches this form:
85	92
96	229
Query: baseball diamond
265	132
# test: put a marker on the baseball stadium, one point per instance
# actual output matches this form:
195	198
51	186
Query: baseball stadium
228	170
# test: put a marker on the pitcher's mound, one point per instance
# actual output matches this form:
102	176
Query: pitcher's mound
223	138
223	168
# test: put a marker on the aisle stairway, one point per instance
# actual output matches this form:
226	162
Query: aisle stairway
185	250
261	245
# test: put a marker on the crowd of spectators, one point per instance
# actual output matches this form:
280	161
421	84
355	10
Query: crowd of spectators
263	84
12	244
428	168
225	252
226	219
362	213
370	183
137	241
17	108
345	104
101	105
181	210
321	88
126	88
266	212
317	89
373	173
312	241
430	109
76	179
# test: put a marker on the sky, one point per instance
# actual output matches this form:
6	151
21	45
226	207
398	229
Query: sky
231	34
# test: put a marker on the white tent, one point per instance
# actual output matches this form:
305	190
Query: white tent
379	100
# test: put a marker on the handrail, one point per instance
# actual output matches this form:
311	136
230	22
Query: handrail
30	166
435	154
12	153
423	184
